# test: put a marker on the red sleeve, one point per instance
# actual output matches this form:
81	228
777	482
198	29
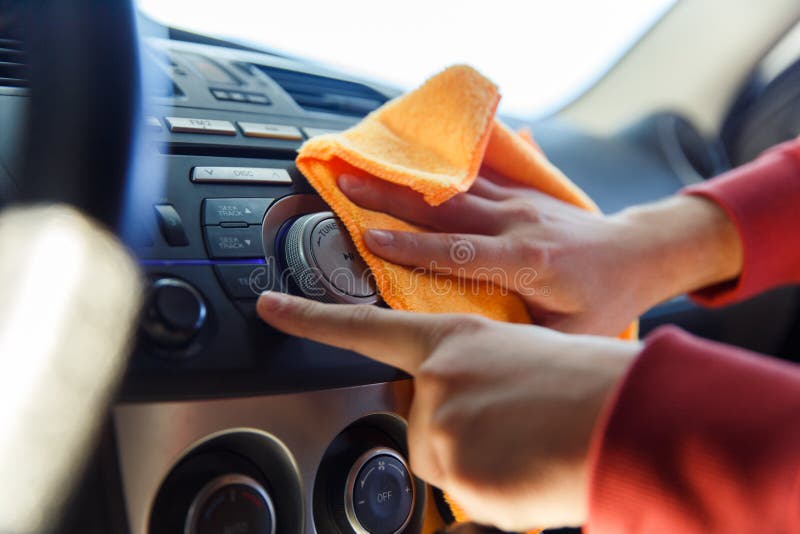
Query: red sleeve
700	438
762	198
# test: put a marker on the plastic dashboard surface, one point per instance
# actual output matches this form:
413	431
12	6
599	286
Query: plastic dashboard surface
199	121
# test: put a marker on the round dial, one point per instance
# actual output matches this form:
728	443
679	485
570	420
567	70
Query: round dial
175	312
231	503
324	262
379	495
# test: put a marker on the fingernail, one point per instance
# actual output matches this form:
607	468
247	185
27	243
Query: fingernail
380	237
348	182
272	298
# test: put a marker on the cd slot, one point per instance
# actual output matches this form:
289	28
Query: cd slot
180	149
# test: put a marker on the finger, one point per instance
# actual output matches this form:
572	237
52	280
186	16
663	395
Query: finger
462	213
463	254
485	188
501	189
400	339
422	457
499	179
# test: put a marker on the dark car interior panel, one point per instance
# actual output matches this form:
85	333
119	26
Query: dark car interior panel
218	410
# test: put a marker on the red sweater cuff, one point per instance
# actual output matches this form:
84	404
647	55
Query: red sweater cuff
700	437
762	198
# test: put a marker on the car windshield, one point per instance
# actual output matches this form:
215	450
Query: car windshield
541	53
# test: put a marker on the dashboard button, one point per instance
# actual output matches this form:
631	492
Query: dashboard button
270	131
203	126
233	210
257	175
169	221
246	281
257	98
221	94
234	242
313	132
174	313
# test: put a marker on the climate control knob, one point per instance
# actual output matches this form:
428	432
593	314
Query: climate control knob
379	494
324	262
231	503
174	314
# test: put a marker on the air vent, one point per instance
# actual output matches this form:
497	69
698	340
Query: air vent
13	61
319	93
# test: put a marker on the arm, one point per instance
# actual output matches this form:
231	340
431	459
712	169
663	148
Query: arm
502	414
701	437
762	199
509	421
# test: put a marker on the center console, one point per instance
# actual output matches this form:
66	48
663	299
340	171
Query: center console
224	424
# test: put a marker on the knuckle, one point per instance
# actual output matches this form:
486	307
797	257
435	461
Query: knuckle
439	331
463	324
450	329
529	251
451	207
461	249
454	239
520	211
411	241
432	382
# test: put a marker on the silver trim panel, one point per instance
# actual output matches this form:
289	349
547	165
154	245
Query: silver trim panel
153	437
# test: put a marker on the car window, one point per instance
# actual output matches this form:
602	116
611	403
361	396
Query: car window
540	53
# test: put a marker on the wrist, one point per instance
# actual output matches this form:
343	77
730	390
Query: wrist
680	244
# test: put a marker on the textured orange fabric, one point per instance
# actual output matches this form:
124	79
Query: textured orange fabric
433	140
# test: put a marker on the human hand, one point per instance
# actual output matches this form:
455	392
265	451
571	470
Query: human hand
593	273
502	415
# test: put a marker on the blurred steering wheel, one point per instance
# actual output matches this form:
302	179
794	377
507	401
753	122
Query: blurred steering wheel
70	290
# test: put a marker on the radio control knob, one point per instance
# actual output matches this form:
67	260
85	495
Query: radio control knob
174	314
324	262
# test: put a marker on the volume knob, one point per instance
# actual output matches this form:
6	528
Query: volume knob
324	262
174	314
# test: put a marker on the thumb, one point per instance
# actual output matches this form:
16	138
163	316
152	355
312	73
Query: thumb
400	339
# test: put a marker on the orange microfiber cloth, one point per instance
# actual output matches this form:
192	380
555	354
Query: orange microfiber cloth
433	140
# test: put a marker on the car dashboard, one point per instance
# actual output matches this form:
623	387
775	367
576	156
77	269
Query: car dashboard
215	403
